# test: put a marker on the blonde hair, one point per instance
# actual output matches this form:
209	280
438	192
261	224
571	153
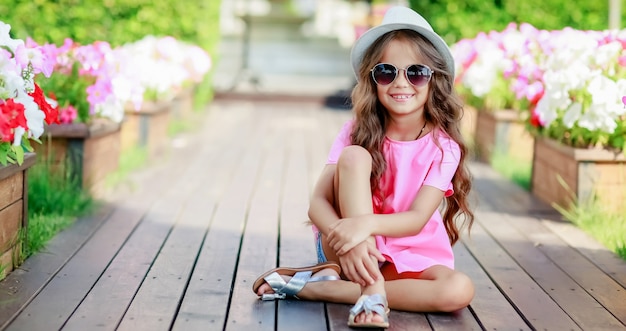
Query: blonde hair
443	110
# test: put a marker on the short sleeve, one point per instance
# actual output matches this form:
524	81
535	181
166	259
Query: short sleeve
444	167
342	140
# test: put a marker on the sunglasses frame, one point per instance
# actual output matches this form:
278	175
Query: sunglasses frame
406	75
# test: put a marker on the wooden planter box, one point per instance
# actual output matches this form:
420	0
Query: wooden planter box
88	152
468	124
182	105
13	212
147	127
502	132
585	172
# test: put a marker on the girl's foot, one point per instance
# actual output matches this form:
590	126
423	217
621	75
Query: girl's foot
370	311
323	274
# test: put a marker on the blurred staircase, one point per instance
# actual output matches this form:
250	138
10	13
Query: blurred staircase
276	56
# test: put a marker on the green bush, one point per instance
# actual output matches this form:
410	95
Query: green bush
118	22
457	19
114	21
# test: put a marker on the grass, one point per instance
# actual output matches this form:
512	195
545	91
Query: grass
606	226
132	159
54	203
516	170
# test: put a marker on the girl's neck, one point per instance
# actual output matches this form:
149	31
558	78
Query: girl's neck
405	131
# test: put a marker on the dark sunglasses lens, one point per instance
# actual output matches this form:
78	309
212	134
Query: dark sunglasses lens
418	75
384	74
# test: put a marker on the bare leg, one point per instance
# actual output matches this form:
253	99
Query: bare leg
439	289
353	198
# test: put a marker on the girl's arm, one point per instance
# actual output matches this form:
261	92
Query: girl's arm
352	231
358	265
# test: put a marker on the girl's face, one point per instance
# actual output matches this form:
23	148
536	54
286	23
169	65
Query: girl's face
400	98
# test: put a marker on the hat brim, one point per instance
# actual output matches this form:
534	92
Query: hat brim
371	35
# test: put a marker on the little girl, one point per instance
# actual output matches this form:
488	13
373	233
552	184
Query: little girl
376	206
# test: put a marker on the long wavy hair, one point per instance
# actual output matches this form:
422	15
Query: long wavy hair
443	110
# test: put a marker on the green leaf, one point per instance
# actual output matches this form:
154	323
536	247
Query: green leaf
19	154
4	153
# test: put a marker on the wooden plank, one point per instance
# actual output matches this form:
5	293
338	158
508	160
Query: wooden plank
604	292
11	189
297	247
29	161
531	301
59	298
462	319
519	235
108	300
258	248
206	301
398	320
56	302
24	283
338	316
607	261
156	304
491	307
501	194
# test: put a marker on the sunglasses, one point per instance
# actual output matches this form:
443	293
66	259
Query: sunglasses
416	74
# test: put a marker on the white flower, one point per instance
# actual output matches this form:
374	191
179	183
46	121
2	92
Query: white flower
482	74
34	116
5	38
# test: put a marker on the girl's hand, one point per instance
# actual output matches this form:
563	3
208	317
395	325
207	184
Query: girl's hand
360	264
346	233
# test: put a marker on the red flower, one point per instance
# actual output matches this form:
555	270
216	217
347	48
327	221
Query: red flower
52	114
11	117
534	118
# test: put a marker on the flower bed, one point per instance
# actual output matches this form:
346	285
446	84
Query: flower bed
87	153
568	86
147	127
563	174
503	133
23	107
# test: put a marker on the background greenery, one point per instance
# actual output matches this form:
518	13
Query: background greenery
117	22
457	19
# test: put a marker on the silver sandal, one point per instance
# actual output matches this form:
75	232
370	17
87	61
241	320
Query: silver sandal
290	289
301	276
376	303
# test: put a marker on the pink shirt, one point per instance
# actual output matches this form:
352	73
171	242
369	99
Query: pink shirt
411	164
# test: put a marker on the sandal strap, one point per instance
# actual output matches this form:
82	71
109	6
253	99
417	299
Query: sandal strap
292	288
283	290
371	303
296	283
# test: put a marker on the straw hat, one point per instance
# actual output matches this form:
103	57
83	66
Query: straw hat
399	18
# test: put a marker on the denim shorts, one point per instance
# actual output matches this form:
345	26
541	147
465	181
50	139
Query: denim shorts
318	247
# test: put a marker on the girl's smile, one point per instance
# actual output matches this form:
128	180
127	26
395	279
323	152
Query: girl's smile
401	98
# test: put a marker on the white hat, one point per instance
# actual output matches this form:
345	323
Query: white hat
398	18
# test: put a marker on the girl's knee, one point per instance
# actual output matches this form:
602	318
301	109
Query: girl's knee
354	156
457	294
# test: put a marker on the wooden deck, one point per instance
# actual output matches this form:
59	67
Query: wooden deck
178	246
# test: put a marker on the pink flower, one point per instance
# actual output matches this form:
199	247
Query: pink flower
67	115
